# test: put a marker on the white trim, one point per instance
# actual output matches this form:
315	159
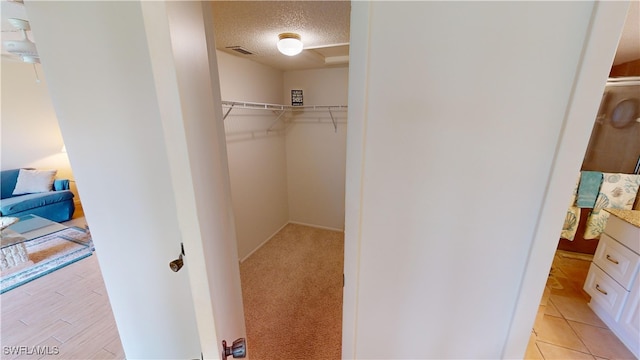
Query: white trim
282	227
263	243
591	75
361	12
316	226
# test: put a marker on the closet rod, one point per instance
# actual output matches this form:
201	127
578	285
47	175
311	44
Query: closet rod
230	105
251	105
266	106
319	107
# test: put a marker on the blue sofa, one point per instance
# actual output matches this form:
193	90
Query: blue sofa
56	205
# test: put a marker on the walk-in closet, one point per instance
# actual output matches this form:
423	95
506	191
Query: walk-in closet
286	145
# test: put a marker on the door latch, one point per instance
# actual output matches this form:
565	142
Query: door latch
238	349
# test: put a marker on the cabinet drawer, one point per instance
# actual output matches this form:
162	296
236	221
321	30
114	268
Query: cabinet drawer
625	233
605	291
616	260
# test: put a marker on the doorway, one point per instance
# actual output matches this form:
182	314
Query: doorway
287	162
612	148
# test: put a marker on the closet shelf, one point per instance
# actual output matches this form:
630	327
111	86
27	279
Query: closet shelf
230	105
266	106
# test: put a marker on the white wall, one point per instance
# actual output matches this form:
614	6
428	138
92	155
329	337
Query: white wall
451	147
245	80
257	161
279	176
316	153
30	133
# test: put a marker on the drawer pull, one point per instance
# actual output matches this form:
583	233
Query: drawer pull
602	291
612	259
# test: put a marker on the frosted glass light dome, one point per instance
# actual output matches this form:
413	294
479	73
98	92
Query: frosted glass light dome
289	44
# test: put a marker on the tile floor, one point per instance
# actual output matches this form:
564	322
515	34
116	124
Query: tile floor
63	315
565	327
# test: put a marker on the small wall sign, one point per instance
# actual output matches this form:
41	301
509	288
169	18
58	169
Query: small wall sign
296	98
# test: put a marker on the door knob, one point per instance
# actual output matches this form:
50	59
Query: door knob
238	349
177	264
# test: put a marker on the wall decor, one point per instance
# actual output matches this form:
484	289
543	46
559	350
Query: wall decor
296	98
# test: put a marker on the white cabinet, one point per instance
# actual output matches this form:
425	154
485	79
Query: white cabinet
613	281
630	318
617	260
605	291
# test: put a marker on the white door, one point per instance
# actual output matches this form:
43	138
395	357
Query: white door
191	112
460	155
146	141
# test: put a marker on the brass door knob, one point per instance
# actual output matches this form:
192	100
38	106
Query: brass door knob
176	264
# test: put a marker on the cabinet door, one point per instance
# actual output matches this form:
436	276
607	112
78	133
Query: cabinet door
605	291
630	318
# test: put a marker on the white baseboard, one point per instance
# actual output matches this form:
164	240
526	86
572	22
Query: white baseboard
316	226
263	243
282	227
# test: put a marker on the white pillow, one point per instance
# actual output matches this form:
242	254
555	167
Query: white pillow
34	181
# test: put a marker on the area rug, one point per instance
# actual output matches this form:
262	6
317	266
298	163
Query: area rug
48	254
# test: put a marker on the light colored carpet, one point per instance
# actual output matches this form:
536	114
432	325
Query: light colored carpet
292	293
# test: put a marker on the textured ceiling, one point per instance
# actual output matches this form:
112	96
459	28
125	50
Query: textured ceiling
254	25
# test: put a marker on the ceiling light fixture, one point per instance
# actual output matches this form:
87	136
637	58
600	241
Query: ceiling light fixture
289	44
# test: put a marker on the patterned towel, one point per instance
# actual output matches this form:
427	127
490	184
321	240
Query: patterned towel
618	191
573	216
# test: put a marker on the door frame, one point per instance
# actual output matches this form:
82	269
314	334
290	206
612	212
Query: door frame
607	21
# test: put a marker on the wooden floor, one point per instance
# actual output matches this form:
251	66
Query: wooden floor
63	315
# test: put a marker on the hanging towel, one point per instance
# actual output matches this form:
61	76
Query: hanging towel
618	191
573	215
570	226
588	189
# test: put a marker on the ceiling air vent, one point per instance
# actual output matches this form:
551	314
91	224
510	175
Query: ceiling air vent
240	49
